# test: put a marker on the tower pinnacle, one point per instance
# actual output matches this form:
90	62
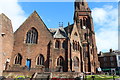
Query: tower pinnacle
81	5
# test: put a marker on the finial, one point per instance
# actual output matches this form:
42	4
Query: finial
68	23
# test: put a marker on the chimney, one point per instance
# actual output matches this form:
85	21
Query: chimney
60	24
100	53
111	51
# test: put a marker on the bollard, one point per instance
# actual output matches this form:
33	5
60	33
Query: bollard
93	77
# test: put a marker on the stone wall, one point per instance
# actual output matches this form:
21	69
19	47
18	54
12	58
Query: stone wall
6	37
31	51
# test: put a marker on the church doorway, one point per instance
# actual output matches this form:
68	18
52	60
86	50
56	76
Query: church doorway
28	63
60	64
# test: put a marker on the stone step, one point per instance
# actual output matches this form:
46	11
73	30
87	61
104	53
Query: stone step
41	76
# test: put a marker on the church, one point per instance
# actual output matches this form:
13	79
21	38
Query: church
34	47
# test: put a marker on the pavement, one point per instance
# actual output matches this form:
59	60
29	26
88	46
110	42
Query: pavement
114	79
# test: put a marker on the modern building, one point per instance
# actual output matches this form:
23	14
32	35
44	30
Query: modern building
110	61
36	48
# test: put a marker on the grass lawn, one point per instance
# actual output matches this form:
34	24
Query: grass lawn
101	77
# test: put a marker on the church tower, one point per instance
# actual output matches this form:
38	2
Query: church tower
84	22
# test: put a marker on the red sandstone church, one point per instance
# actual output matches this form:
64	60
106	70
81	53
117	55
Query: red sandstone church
36	48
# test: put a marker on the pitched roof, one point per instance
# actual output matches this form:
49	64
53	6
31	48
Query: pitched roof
35	16
58	33
53	30
2	14
116	52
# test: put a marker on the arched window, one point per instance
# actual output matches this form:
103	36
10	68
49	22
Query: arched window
87	23
40	60
84	21
18	59
76	61
75	34
91	51
85	36
60	61
63	45
57	44
81	23
82	3
32	36
78	46
75	45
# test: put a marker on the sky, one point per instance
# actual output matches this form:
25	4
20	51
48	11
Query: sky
105	18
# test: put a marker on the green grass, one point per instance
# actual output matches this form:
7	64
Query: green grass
100	77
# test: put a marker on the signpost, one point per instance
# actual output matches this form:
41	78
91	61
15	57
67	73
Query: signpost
99	69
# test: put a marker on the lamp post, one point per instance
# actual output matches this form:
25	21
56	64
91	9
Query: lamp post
113	75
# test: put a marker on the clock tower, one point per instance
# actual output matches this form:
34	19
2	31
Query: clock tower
84	23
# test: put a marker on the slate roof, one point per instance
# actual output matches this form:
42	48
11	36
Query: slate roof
58	33
116	52
53	30
61	32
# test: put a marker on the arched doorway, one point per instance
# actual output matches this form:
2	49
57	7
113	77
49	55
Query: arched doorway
60	64
76	64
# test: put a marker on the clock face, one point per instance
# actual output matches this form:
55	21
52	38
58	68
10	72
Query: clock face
84	27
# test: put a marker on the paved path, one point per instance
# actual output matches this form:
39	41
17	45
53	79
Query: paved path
115	79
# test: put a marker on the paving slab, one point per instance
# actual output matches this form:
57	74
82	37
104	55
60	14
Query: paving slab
115	79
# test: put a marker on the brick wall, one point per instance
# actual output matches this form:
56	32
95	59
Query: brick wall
6	37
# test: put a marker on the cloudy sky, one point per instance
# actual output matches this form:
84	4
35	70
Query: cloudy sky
105	17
